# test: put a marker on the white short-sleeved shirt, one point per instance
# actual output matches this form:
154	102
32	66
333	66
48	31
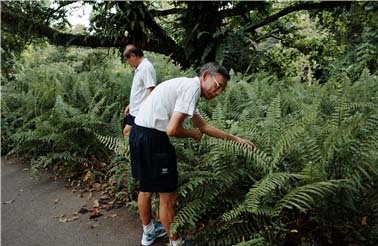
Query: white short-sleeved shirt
144	77
175	95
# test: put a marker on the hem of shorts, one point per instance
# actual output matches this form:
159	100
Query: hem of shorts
157	189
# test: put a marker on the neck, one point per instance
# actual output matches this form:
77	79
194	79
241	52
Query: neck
139	61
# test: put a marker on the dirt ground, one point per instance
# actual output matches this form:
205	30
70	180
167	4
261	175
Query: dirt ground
44	212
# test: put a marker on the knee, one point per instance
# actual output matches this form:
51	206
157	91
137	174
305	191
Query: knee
145	195
168	200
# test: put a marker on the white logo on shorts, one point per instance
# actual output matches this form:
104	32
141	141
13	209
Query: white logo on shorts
164	170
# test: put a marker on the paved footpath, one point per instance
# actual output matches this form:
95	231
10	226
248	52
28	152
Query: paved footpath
31	213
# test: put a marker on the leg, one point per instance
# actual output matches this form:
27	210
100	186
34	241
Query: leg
167	211
144	207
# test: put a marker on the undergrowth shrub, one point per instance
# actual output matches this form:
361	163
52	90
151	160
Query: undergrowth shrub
60	97
57	101
312	179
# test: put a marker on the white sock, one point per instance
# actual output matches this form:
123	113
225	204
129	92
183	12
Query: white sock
149	228
176	242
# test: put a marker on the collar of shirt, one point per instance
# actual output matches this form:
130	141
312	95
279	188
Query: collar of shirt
140	65
199	87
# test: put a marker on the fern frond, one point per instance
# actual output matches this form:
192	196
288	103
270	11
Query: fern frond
257	240
195	180
119	145
256	158
274	111
308	196
254	199
285	141
341	110
231	234
266	187
188	215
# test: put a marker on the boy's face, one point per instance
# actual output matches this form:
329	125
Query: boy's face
131	59
213	85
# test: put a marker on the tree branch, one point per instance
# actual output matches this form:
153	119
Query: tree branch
53	11
15	23
164	40
242	8
157	13
297	7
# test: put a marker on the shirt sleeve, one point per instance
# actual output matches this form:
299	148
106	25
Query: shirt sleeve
149	77
187	102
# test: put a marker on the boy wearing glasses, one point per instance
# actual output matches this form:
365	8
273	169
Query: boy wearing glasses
153	158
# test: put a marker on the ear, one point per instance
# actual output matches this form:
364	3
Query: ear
205	74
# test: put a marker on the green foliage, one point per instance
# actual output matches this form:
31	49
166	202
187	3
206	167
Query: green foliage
308	100
355	31
53	108
316	152
15	38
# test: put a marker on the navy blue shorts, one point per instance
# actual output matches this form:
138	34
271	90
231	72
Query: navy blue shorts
153	160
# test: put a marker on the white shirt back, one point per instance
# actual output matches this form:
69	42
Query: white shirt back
144	77
175	95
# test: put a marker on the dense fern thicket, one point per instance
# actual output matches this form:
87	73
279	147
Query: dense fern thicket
308	99
312	179
59	98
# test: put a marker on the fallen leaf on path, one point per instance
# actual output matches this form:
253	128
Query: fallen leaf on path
96	213
64	220
118	204
111	216
73	218
87	176
83	211
104	197
96	204
56	200
59	216
93	216
97	186
90	196
8	202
